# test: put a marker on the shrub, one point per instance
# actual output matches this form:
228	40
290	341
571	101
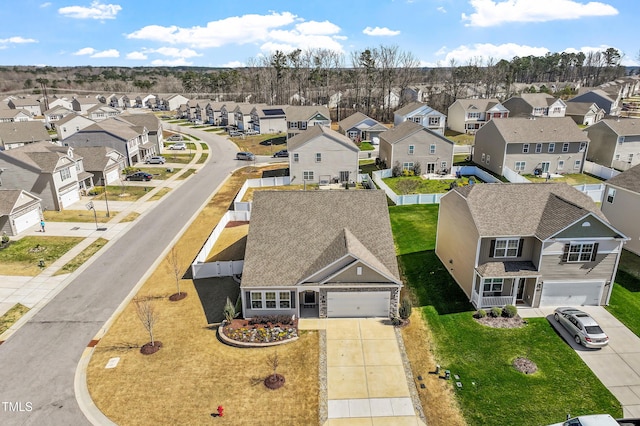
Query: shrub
405	308
265	319
5	238
480	313
495	312
229	311
417	169
509	311
396	170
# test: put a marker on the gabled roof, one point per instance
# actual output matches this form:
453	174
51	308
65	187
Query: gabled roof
629	179
87	101
148	120
23	131
320	131
95	158
415	107
622	126
9	198
12	113
25	102
116	126
478	104
245	108
355	119
70	117
102	107
269	111
580	108
58	109
306	112
520	209
538	100
42	156
547	129
311	230
408	128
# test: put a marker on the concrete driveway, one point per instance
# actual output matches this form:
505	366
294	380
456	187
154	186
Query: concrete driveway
616	365
366	380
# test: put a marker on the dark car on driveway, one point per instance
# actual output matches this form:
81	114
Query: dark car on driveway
281	153
141	176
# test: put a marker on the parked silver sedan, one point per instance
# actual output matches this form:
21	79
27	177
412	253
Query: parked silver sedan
584	329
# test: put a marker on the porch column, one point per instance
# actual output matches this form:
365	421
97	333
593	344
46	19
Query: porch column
514	291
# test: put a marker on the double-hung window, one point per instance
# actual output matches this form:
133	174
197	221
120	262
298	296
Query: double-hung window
551	148
270	299
580	252
520	165
296	157
65	173
256	300
434	121
565	147
412	148
492	285
538	148
307	175
525	148
318	157
432	149
284	299
506	247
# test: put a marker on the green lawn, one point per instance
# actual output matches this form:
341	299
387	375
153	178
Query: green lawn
161	172
366	146
625	297
417	185
571	179
493	392
11	316
21	257
81	258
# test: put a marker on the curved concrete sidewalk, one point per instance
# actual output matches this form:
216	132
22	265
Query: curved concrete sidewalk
617	365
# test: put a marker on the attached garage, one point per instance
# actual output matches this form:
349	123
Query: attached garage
69	197
348	304
27	220
572	293
113	176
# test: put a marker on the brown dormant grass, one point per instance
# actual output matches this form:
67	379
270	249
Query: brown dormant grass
438	401
230	245
193	373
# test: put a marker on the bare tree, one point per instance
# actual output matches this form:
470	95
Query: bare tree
173	259
147	314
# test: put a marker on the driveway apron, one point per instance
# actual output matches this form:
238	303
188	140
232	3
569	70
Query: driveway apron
366	381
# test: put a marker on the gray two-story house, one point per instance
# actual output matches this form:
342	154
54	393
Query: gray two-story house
615	143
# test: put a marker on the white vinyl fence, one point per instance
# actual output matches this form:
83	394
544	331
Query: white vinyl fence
598	170
514	177
239	205
200	268
595	191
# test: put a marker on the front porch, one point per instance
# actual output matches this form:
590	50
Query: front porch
504	283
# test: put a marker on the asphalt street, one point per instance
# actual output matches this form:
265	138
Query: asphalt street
38	363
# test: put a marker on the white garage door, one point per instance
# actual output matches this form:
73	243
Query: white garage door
27	220
69	198
112	176
358	304
571	293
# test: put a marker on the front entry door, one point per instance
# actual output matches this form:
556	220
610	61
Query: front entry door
344	176
431	167
520	293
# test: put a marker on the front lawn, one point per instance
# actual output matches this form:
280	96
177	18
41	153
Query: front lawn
492	392
366	146
78	216
81	258
625	296
261	144
161	172
417	185
121	193
22	257
11	316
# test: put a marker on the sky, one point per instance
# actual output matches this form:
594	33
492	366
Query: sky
215	33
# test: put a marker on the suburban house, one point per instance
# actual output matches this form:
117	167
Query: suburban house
213	112
584	113
32	105
303	117
54	101
13	115
48	171
329	262
615	142
104	163
70	124
102	112
16	134
227	117
55	114
531	146
468	115
609	104
173	102
359	127
117	133
268	119
242	116
321	155
19	210
422	114
82	105
534	245
409	145
621	198
535	105
154	129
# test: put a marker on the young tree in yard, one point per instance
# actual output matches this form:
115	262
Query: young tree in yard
173	259
148	317
275	380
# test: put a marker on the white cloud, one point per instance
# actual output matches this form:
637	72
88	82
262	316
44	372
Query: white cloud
175	52
441	9
17	40
47	4
382	32
137	56
490	13
233	64
110	53
97	10
465	53
171	62
317	28
85	51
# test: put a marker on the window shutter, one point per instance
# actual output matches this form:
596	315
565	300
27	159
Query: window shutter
492	249
293	299
565	253
520	247
595	252
247	299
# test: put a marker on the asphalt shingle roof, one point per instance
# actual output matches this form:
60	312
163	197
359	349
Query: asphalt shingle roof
294	234
408	128
548	129
623	126
629	179
320	131
306	112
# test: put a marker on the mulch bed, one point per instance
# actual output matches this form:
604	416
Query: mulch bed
525	365
502	322
235	223
274	381
148	349
177	296
241	331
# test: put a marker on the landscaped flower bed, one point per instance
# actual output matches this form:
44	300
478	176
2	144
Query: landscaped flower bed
262	329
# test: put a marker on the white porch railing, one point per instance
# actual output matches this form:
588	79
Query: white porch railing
490	301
